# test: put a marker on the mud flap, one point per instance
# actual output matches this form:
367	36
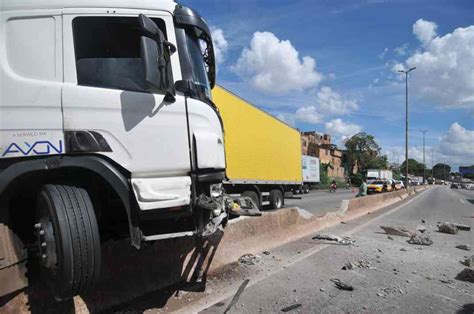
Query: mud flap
12	262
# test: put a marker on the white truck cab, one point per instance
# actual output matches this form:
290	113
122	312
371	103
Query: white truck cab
107	128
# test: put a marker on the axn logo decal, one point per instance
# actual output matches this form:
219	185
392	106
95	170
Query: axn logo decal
36	148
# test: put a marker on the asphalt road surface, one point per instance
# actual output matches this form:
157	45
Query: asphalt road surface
399	277
321	202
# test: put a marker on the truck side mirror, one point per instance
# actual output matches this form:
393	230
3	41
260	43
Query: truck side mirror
155	55
148	27
149	56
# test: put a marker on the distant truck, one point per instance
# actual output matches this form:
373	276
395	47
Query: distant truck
263	154
310	171
373	174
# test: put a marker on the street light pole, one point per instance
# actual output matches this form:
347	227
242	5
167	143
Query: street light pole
424	165
406	122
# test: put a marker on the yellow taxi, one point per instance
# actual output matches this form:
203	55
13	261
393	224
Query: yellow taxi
379	186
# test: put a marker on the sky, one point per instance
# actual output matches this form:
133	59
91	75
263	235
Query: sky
332	66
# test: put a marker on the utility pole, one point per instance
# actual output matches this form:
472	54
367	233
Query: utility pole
406	122
432	164
424	165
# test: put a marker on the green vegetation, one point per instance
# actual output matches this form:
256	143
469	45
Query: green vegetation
364	153
441	171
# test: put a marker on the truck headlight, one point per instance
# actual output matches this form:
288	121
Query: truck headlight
216	190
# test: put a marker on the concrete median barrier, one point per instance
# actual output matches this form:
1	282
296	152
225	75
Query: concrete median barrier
184	263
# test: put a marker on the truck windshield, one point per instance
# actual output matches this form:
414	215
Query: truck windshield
199	73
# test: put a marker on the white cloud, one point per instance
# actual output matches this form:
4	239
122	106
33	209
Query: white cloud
455	148
458	142
309	115
396	154
398	67
383	53
341	128
445	66
425	31
330	102
402	50
274	66
220	44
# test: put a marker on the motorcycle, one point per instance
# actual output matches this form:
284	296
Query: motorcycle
332	188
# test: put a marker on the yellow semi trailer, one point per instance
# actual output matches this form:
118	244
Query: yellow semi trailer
263	154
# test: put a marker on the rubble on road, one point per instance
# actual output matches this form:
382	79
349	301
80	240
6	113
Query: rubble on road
397	231
291	307
464	247
461	227
469	262
341	285
421	228
447	227
266	252
249	259
466	275
358	264
419	239
330	237
237	294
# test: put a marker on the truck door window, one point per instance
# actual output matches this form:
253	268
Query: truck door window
108	52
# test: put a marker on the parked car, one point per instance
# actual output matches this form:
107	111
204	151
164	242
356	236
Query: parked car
399	185
379	186
454	186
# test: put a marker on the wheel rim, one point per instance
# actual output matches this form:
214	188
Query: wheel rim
46	243
278	202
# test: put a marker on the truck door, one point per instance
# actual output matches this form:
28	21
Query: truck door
30	83
105	93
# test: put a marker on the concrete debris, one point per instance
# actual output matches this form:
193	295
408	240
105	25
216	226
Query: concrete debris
397	231
423	221
403	249
341	285
461	227
447	227
464	247
330	237
237	295
358	264
266	253
291	307
390	237
249	259
446	281
419	239
469	262
390	291
466	275
421	228
322	289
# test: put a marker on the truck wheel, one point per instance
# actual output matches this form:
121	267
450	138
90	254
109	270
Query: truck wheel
306	189
68	239
276	199
254	196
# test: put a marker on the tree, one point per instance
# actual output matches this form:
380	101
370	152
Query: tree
364	152
441	171
414	167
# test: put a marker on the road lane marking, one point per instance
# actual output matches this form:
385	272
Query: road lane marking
207	302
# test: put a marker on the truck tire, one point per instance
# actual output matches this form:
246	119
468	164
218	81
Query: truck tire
276	199
68	239
306	189
254	196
